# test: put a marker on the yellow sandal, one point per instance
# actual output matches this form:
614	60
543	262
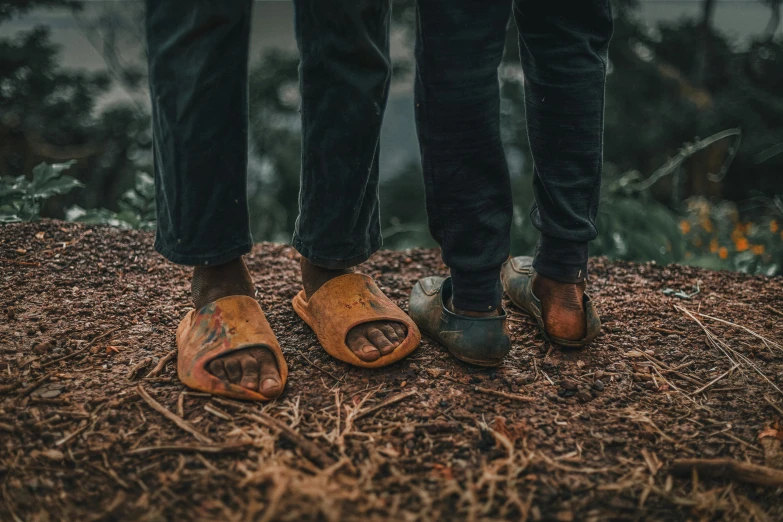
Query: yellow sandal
345	302
224	326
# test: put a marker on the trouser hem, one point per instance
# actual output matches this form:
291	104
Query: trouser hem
332	263
563	260
224	255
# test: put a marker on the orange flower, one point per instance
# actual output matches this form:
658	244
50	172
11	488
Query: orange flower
706	224
741	244
738	231
714	246
685	227
688	255
773	226
757	249
723	253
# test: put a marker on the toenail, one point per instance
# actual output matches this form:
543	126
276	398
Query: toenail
369	349
268	384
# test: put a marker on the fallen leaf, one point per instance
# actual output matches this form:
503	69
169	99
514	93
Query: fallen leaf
40	235
634	354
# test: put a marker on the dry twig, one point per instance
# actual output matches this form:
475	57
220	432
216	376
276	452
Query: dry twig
82	350
192	448
138	367
311	450
716	379
173	417
387	402
161	364
512	396
731	469
30	389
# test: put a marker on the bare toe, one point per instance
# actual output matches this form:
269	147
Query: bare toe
217	369
361	346
269	380
401	330
250	371
379	339
390	333
253	368
233	368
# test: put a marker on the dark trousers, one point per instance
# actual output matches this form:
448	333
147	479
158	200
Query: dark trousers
198	80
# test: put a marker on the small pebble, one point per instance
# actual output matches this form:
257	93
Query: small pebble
50	394
599	386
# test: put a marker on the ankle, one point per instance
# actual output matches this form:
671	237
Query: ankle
210	283
314	276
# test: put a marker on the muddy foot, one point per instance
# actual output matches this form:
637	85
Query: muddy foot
563	307
369	341
253	368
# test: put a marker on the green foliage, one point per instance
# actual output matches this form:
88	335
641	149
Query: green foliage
51	113
693	83
21	199
137	208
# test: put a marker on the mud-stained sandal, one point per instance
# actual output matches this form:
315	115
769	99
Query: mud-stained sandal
517	278
483	341
224	326
348	301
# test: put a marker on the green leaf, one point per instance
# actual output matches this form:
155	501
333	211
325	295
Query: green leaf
49	180
9	218
12	187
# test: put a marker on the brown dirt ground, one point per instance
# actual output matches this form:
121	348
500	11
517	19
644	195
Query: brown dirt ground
581	435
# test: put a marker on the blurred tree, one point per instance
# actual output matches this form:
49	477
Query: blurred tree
49	114
273	180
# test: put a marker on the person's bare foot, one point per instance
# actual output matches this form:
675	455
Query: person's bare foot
369	341
253	368
563	307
